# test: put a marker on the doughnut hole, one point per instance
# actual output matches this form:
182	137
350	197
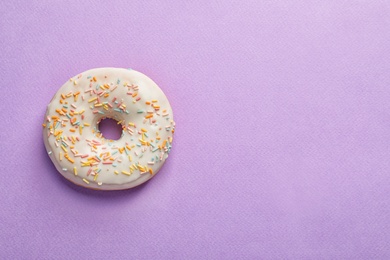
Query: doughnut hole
110	128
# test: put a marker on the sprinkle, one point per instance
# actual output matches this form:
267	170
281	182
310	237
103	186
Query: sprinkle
116	172
92	99
140	111
75	171
86	181
107	162
126	173
49	152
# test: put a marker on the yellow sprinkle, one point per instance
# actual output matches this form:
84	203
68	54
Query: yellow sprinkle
95	177
86	124
60	156
130	159
126	173
144	130
80	130
98	105
86	181
92	99
63	148
75	171
154	101
116	172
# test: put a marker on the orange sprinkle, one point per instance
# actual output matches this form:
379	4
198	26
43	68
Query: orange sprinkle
63	96
149	116
147	102
72	130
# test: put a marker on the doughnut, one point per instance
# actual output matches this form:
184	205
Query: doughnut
79	150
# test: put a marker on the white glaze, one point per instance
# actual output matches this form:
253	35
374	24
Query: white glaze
121	82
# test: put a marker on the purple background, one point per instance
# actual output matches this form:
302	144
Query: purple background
282	145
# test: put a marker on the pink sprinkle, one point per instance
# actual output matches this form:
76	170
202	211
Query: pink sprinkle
138	99
109	105
114	88
84	156
89	171
113	100
82	97
108	162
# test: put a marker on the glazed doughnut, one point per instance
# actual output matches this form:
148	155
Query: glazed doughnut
78	149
